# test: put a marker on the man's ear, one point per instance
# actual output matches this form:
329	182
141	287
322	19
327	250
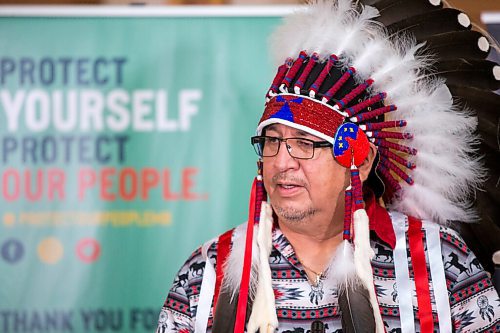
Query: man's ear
366	166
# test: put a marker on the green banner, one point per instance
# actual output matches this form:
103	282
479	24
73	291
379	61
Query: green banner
124	145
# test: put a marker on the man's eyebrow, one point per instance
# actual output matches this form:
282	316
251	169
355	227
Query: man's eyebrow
298	133
270	127
303	133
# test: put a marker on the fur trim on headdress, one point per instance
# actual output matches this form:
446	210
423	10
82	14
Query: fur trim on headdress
263	317
233	267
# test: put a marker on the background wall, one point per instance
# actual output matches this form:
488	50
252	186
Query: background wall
99	211
124	145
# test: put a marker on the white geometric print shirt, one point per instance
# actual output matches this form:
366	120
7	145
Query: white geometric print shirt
473	302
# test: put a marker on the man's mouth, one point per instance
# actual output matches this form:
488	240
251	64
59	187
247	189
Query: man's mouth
288	186
288	190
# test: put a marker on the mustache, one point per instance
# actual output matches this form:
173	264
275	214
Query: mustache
283	177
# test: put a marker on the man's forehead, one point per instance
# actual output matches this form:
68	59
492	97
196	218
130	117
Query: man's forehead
280	128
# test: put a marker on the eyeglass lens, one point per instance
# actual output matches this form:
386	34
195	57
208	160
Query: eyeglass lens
297	148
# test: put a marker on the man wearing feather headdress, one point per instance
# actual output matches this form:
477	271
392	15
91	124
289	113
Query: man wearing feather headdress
354	118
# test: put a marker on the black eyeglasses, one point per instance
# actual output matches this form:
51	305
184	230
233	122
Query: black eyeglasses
269	146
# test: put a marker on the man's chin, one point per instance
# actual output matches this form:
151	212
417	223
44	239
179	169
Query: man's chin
292	200
293	214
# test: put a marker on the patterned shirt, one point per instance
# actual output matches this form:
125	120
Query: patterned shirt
474	303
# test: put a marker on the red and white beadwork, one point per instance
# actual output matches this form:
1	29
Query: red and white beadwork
323	114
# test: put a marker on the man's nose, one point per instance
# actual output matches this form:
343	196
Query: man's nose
283	159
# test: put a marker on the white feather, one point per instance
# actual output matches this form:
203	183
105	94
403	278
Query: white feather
357	30
263	317
363	253
449	181
397	66
447	171
423	202
339	273
326	27
233	267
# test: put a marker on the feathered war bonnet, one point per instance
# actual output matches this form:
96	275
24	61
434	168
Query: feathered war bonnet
398	74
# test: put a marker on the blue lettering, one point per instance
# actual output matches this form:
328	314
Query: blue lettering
27	68
47	71
7	66
97	69
66	71
49	150
102	158
65	62
29	148
81	65
83	151
66	141
9	145
102	320
119	67
121	139
146	318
